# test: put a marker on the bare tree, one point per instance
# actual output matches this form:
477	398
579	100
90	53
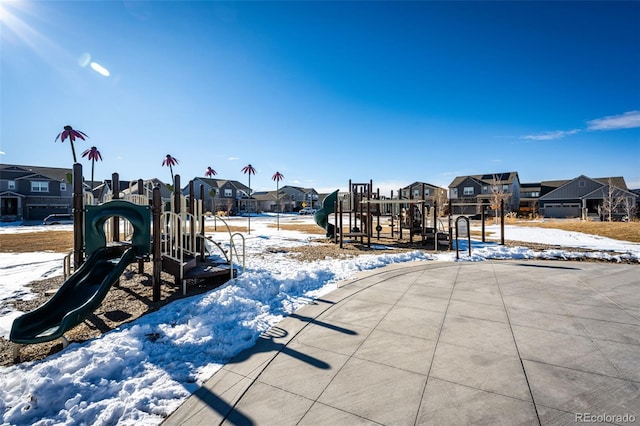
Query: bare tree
629	207
497	195
440	198
612	199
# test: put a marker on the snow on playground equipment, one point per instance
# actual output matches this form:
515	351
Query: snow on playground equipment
168	238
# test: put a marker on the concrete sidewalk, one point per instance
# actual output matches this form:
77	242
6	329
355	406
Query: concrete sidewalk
496	342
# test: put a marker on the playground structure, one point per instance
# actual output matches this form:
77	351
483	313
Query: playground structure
362	214
171	235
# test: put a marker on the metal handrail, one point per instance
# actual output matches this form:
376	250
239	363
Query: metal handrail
232	246
66	265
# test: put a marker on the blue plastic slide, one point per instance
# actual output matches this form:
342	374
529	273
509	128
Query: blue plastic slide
76	299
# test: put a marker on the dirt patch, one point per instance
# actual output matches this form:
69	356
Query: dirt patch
22	242
306	228
125	302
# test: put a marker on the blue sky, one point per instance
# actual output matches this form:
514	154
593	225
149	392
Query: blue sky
324	92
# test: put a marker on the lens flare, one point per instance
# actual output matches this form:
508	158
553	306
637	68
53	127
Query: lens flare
99	69
84	60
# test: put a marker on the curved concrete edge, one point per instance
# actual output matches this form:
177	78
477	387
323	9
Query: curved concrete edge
536	342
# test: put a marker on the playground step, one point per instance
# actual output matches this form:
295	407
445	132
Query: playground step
206	270
172	266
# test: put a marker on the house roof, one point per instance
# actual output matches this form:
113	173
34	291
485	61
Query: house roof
559	192
617	181
11	194
299	188
603	192
265	195
9	171
219	183
531	186
487	179
419	184
133	187
122	184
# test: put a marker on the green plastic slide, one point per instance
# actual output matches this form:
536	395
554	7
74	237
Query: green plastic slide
78	297
322	216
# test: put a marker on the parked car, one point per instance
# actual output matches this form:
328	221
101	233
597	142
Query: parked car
307	210
58	219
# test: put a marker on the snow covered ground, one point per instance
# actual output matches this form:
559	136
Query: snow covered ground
142	371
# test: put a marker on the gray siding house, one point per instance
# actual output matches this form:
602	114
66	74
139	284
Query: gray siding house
33	193
432	194
221	195
530	194
469	193
582	197
300	197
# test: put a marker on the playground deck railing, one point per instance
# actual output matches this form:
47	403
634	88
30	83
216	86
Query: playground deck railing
179	240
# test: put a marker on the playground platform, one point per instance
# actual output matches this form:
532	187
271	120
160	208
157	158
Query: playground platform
495	342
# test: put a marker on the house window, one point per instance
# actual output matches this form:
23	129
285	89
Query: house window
505	188
63	186
468	190
228	192
485	189
416	193
426	192
582	184
38	186
11	184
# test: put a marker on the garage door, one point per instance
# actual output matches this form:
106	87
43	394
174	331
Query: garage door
562	211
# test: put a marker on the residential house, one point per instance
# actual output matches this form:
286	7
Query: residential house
102	191
530	194
33	193
468	194
267	201
294	198
583	196
129	188
426	191
221	195
290	198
